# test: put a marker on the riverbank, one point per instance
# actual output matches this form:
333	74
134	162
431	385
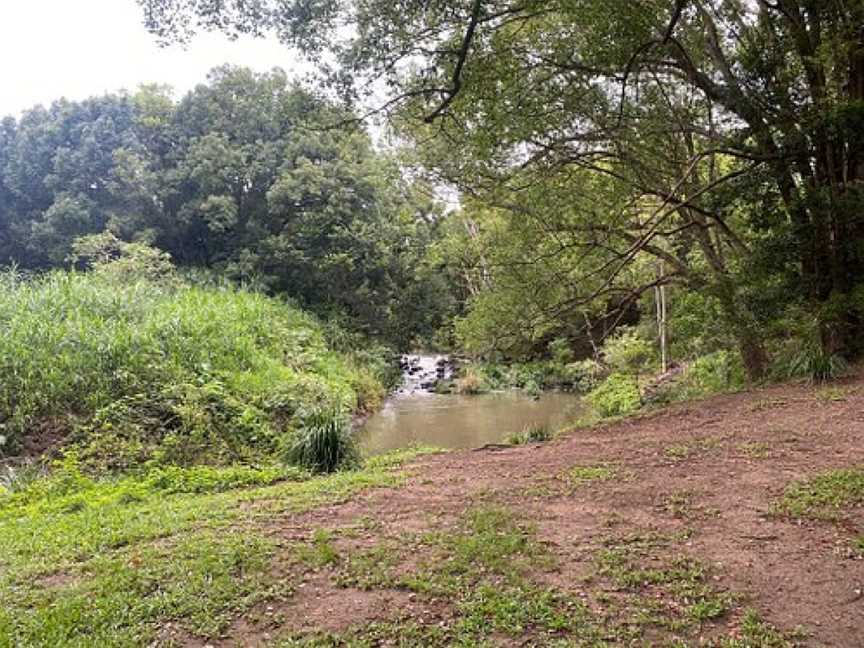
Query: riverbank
731	522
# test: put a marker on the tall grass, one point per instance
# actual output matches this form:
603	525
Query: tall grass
324	443
139	364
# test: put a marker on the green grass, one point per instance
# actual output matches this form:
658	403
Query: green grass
581	475
824	496
488	569
84	563
531	434
141	371
688	449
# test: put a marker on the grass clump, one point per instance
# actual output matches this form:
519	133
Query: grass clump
825	495
581	475
531	434
324	443
151	370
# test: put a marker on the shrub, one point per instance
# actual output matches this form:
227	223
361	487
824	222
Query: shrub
324	442
472	382
618	395
627	352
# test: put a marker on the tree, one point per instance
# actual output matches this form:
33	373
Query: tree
239	177
686	104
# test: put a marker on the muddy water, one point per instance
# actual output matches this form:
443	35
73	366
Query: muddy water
452	421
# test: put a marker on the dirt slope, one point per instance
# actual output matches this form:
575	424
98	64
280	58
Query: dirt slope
706	474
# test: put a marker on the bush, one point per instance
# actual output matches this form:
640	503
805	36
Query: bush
472	382
715	373
324	443
618	395
626	352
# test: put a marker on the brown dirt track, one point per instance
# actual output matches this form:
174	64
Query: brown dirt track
713	468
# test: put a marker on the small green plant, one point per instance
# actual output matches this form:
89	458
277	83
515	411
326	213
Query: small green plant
531	434
689	448
324	443
618	395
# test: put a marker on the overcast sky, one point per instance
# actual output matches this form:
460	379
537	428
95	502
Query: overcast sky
78	48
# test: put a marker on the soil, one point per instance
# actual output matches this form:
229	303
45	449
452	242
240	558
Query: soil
715	468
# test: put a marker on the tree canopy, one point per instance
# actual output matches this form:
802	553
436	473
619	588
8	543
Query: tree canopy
242	177
728	131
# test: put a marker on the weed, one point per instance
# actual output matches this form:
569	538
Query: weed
690	448
145	370
618	395
831	394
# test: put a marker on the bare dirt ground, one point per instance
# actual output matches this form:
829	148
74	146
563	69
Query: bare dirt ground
710	472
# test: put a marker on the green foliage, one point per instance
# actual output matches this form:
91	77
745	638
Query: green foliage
581	475
241	177
715	373
531	434
140	370
817	365
617	395
116	561
626	352
324	443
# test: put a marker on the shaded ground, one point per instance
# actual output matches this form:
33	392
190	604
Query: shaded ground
647	532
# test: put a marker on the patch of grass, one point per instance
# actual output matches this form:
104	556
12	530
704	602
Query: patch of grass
754	632
832	394
137	561
320	551
145	370
631	564
755	449
120	597
581	475
824	496
691	448
486	567
531	434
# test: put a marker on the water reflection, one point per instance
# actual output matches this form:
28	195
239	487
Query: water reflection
452	421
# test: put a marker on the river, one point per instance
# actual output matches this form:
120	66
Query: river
414	415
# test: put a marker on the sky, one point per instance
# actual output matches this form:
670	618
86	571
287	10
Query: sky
80	48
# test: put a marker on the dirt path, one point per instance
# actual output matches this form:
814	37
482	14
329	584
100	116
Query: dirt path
706	474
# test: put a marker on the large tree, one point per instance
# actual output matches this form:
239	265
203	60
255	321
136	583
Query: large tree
689	105
242	177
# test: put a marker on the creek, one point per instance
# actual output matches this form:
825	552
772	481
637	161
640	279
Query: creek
414	414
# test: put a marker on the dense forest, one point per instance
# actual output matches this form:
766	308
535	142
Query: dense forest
205	299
